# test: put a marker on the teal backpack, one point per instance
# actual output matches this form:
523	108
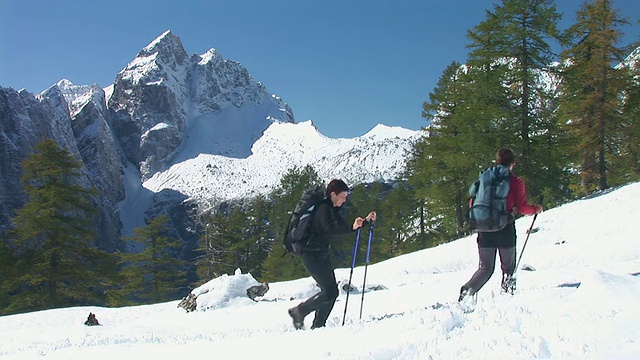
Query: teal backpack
488	208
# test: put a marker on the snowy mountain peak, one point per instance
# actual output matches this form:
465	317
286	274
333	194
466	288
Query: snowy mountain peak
154	62
77	96
210	55
167	45
157	40
633	59
381	131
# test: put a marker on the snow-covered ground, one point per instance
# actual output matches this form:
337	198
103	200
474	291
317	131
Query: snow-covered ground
581	302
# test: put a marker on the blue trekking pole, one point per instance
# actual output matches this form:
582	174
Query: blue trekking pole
353	264
366	264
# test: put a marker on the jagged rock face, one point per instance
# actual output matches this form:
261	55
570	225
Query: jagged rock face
156	94
22	122
98	151
148	101
25	120
216	83
141	121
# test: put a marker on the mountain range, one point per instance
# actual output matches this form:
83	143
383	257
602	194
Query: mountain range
179	134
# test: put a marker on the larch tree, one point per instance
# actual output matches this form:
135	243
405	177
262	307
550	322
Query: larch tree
513	42
56	261
156	272
593	92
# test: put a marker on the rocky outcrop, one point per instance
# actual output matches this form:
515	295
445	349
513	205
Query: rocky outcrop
25	120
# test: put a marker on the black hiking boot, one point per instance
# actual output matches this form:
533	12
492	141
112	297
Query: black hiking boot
298	318
508	284
465	293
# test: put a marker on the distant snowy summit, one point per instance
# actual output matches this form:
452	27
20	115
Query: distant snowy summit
379	155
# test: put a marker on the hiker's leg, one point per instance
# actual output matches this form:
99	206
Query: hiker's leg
487	260
321	270
329	288
507	260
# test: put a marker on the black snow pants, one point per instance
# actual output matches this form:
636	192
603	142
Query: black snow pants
321	269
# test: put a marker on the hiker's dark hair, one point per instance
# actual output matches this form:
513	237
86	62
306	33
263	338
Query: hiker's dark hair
505	157
336	186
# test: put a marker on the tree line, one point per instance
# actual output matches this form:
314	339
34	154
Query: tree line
573	124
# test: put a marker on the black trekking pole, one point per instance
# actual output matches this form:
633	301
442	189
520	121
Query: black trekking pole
366	264
525	241
353	264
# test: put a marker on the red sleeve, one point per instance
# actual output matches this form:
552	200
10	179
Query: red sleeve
517	197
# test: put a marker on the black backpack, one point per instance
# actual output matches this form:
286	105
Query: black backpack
488	209
296	236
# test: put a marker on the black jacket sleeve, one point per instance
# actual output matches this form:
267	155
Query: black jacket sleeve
327	223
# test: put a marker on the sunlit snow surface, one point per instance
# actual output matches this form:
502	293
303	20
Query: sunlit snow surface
581	302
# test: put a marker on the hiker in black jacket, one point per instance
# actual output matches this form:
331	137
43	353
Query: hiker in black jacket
327	224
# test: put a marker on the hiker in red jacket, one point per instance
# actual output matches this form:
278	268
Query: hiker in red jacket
503	241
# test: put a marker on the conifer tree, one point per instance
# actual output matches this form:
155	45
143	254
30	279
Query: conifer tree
7	268
396	230
243	249
460	138
239	240
593	92
210	263
259	236
156	273
627	169
513	43
56	261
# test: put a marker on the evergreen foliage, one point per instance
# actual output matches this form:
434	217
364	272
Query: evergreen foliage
460	135
7	269
259	236
513	43
210	262
154	272
628	167
394	230
594	93
51	251
240	239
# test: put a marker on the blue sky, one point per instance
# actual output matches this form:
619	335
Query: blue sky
345	64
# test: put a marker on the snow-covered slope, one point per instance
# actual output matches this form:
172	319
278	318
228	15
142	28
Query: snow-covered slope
580	303
377	156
